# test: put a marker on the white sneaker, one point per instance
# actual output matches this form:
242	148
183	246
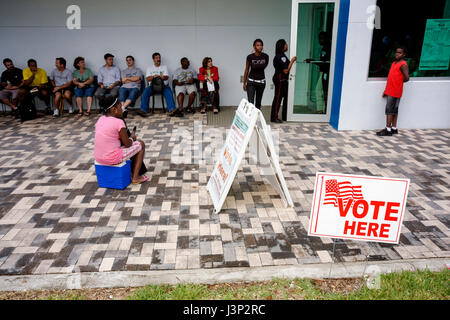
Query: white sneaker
70	110
55	112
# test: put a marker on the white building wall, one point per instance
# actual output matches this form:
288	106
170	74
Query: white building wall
224	30
425	102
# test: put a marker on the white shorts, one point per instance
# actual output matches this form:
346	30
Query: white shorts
187	88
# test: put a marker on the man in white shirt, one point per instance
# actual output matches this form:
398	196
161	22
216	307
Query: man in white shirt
158	71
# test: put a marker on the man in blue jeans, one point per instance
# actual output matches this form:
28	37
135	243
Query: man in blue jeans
158	70
131	84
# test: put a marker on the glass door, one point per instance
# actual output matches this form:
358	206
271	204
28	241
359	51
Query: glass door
313	30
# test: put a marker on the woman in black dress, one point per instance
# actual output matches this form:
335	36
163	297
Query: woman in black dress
280	80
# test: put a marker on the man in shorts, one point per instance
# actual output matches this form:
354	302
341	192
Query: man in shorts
11	81
398	74
184	80
61	79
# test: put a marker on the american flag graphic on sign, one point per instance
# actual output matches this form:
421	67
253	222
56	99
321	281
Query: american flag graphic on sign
344	190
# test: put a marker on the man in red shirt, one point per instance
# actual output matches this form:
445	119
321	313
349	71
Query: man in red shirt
398	74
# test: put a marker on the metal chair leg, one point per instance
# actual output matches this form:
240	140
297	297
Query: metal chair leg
61	106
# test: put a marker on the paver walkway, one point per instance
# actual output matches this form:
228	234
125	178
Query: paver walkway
55	219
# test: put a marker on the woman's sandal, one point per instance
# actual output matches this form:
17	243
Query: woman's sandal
87	113
80	114
216	111
203	111
145	178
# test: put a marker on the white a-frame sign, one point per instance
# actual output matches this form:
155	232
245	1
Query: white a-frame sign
248	123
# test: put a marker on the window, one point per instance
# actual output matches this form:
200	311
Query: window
413	25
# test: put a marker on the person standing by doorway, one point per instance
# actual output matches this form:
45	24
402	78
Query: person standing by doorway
280	80
394	91
254	77
324	71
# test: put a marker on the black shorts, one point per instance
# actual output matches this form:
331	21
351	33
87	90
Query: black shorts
392	105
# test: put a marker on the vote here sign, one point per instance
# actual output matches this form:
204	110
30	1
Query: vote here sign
358	207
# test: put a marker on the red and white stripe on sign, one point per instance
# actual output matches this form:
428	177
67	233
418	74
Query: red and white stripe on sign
344	190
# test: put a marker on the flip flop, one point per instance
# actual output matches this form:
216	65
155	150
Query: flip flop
87	113
139	182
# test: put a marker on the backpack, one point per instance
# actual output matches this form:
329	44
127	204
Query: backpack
27	109
157	84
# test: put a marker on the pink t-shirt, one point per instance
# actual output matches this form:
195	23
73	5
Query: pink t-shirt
107	148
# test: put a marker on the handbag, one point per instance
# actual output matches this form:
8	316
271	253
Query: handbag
157	84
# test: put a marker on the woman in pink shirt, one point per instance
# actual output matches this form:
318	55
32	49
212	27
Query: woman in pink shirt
112	144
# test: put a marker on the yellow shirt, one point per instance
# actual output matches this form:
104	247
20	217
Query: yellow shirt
39	78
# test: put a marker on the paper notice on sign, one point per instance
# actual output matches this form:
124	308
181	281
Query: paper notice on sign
232	153
242	129
358	207
436	45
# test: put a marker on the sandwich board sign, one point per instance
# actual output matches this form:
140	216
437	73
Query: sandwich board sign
248	123
355	207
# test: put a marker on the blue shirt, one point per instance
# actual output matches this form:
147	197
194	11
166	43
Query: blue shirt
61	78
108	76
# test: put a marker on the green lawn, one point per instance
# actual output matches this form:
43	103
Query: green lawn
407	285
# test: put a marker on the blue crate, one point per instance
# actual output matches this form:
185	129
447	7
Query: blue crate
114	177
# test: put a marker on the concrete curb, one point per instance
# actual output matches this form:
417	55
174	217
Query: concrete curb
210	276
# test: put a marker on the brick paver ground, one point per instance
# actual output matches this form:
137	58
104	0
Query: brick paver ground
55	219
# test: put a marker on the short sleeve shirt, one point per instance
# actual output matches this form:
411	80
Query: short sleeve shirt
83	77
161	70
14	77
39	78
131	72
107	148
280	62
61	78
257	65
184	75
108	76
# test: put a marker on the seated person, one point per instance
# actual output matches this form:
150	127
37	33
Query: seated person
155	71
83	79
112	144
131	84
184	79
61	79
108	78
35	82
208	76
11	81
